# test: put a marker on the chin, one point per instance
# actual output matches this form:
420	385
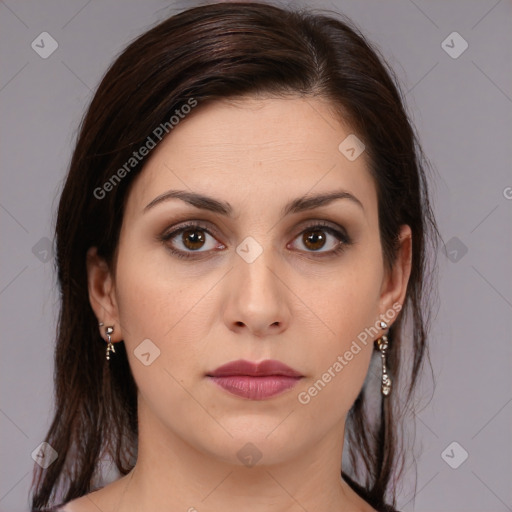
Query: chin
254	446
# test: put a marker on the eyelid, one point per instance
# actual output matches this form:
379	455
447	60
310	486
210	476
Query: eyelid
312	223
191	224
210	228
186	221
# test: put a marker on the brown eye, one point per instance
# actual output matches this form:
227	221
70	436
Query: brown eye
193	239
323	240
313	239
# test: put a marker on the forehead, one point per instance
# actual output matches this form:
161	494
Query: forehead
261	149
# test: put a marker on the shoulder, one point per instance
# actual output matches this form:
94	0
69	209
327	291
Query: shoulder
66	507
55	508
87	503
81	504
104	498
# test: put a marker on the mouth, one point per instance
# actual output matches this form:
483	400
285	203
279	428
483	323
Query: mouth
255	381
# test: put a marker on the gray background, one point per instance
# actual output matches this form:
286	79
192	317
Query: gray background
462	108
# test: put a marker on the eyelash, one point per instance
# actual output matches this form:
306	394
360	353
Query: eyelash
322	226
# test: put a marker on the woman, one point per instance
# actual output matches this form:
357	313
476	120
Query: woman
243	230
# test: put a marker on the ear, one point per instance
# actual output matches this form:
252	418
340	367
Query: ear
394	285
102	294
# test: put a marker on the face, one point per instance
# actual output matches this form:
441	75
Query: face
260	274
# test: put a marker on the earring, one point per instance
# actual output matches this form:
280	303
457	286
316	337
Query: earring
110	346
382	345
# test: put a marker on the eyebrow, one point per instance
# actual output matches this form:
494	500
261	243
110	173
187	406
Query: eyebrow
224	208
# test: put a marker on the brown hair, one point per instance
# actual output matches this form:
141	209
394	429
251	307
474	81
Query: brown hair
206	53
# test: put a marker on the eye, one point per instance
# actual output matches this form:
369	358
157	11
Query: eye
188	239
318	236
192	238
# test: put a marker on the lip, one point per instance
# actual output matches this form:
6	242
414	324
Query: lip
255	381
250	369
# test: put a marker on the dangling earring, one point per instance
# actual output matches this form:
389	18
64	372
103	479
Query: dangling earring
382	345
110	346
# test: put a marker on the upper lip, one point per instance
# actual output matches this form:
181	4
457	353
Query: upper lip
264	368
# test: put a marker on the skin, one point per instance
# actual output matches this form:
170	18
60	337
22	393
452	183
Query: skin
289	304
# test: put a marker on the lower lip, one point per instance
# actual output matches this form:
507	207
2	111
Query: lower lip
255	388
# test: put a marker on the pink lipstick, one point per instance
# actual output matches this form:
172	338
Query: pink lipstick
255	381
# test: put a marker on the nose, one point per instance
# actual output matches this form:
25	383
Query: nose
258	298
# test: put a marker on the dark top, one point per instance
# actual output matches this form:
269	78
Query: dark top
363	493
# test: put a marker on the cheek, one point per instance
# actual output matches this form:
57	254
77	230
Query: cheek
154	312
150	296
156	303
347	299
345	308
340	360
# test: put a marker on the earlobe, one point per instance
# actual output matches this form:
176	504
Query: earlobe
395	284
102	293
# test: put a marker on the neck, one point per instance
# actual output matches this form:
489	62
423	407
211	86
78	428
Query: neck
170	474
